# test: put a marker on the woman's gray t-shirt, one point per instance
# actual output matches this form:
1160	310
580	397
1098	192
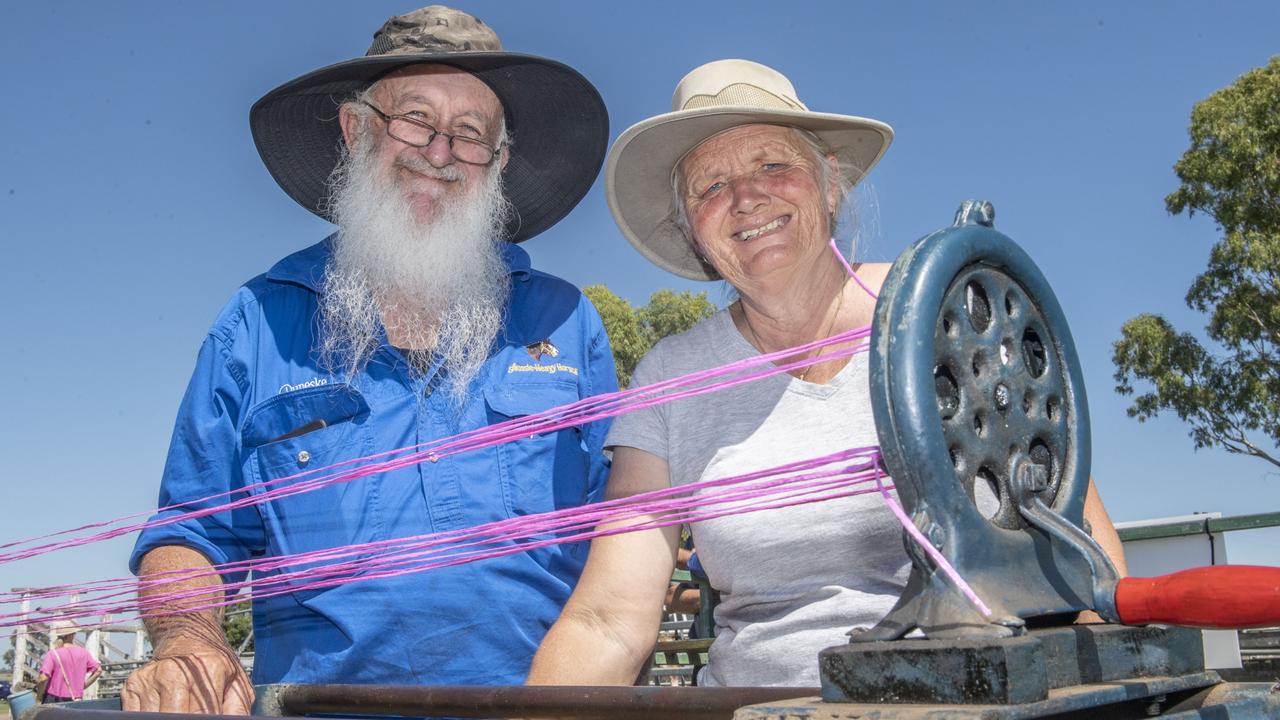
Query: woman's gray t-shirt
793	580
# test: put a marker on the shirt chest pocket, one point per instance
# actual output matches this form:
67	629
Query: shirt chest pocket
297	441
540	472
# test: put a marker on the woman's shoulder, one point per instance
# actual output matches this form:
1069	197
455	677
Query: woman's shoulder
873	274
708	328
694	349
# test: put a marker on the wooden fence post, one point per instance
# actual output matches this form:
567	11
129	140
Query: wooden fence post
20	646
93	644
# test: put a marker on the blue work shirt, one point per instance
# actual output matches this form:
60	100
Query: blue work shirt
257	379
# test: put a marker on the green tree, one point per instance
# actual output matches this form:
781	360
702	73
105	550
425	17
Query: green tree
669	313
1229	396
627	335
634	330
237	626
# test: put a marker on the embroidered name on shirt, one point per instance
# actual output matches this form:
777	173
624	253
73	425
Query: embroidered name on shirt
552	368
313	382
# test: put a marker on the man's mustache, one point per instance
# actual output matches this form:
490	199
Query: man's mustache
419	165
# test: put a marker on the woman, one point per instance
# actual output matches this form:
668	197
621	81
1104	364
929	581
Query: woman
742	182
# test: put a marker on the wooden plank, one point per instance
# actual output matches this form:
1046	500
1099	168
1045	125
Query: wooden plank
695	645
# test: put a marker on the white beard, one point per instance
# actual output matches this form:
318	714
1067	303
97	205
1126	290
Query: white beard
439	286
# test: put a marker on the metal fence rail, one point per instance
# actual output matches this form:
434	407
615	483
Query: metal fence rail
1206	526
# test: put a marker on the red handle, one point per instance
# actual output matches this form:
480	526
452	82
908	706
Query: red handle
1222	596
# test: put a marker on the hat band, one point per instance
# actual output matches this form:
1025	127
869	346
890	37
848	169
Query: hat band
743	94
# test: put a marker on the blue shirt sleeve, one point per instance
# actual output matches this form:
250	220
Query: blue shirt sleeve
204	463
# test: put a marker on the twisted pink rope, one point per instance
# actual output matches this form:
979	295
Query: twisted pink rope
832	477
581	412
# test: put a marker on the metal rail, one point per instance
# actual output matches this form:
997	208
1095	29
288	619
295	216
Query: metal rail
1201	527
614	703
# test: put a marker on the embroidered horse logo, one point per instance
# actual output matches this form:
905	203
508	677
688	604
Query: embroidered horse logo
540	348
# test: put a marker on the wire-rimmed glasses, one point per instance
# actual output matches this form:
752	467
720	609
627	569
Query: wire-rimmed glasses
415	132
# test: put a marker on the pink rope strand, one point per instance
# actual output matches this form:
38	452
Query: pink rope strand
581	412
532	523
849	269
510	530
928	547
672	512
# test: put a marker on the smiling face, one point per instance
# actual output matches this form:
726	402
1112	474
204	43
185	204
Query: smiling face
756	204
453	101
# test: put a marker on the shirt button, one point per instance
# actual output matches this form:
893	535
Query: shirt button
304	457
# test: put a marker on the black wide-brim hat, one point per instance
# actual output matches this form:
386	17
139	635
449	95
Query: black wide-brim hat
555	116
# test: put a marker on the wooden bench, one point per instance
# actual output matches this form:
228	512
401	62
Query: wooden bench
683	640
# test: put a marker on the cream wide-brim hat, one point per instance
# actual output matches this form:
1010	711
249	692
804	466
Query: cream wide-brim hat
713	98
62	628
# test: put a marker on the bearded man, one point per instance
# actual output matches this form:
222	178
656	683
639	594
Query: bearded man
420	318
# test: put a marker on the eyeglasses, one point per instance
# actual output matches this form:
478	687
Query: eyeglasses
412	131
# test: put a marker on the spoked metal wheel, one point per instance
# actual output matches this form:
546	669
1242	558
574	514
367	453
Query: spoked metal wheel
999	391
980	406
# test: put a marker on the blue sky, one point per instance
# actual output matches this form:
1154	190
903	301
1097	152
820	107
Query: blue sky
132	201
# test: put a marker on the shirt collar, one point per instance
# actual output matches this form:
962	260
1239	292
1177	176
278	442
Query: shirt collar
306	267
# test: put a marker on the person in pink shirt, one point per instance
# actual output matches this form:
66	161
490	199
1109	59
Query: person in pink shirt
66	669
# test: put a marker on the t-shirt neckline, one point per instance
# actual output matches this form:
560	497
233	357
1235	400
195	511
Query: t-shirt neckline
737	347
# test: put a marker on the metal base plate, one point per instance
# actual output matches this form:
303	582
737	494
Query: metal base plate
1006	671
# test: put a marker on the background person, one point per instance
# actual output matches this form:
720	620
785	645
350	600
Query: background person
420	318
742	182
67	669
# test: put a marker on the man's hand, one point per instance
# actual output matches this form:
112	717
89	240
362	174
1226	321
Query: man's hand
190	676
192	669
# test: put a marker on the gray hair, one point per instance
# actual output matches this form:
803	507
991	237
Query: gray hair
817	151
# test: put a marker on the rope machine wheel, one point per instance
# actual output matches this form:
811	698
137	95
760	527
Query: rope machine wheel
981	411
983	424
